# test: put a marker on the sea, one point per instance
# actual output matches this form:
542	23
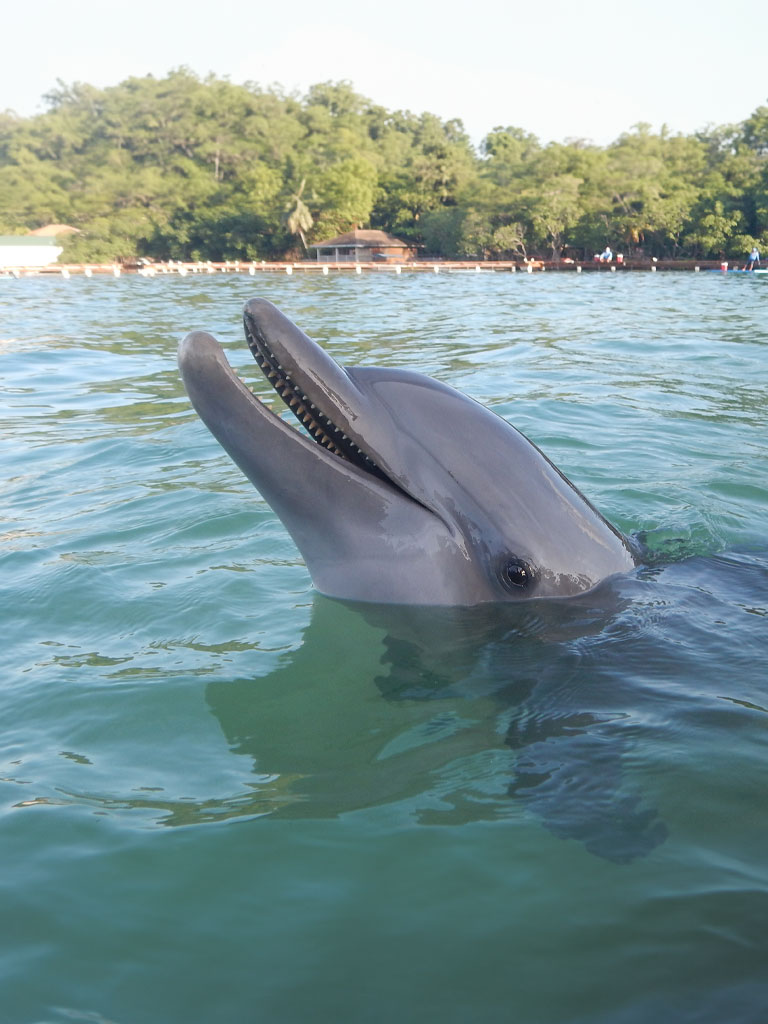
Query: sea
227	798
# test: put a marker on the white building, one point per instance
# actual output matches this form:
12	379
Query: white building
28	251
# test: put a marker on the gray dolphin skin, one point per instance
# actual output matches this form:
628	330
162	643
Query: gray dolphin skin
399	489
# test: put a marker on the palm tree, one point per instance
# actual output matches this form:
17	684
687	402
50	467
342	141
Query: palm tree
298	218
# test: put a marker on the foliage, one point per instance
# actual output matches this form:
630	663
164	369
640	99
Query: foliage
188	168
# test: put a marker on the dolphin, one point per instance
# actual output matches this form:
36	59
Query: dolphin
397	488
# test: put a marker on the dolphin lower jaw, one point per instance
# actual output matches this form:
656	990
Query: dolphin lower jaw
271	453
350	526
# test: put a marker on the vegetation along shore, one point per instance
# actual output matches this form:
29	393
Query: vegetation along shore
188	169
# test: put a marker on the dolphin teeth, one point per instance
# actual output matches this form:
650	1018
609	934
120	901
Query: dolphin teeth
318	425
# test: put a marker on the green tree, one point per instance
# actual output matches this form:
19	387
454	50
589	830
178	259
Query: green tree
189	167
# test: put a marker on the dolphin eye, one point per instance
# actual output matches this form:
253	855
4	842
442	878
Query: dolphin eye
517	574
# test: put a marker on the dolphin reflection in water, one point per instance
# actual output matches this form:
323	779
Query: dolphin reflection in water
467	714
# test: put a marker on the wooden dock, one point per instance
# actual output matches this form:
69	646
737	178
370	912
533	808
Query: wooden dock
255	268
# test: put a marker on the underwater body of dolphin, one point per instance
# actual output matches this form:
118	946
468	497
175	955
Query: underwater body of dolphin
402	490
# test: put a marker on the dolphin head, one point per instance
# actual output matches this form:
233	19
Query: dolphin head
397	488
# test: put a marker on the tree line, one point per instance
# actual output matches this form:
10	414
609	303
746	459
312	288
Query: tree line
183	167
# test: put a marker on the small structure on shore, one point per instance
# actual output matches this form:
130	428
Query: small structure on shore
28	251
362	246
38	248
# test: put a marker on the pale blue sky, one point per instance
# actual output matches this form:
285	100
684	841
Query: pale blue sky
558	69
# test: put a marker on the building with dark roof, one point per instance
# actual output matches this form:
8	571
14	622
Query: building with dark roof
362	246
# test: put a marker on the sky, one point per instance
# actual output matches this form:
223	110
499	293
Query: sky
561	69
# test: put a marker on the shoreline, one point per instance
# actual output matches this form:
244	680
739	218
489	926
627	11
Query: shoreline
254	268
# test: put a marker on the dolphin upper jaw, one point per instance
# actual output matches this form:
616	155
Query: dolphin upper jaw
312	384
407	491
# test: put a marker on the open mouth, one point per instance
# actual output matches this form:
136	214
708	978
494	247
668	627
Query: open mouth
318	424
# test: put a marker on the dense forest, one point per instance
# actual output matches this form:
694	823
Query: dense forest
189	168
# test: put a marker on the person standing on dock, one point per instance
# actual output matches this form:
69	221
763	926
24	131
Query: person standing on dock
753	260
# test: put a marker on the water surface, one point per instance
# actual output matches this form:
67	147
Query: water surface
224	797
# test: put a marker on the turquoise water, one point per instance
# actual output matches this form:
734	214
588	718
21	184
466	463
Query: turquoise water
225	798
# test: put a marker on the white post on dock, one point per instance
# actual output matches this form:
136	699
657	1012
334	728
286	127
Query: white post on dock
653	269
477	270
398	270
325	270
115	270
88	272
613	270
436	269
578	270
697	269
289	270
252	270
358	270
530	268
64	272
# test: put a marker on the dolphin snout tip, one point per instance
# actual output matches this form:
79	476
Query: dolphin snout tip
195	343
263	316
257	309
257	305
197	351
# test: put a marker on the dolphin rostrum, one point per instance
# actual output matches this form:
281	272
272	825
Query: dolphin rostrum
400	489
